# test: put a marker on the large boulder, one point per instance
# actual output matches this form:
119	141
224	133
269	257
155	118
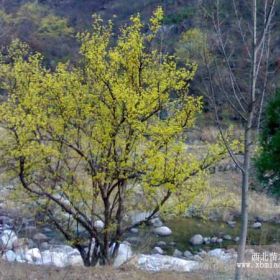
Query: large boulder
162	231
7	238
197	239
156	263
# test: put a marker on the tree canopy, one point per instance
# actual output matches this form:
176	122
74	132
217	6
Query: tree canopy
103	138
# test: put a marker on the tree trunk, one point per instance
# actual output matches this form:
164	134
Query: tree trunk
244	205
247	151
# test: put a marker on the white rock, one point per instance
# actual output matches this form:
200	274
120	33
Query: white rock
58	259
188	254
197	258
157	250
220	240
40	237
214	239
99	224
219	254
177	253
138	217
257	225
9	256
162	231
134	230
161	244
236	239
156	263
156	222
124	254
197	239
33	256
61	256
7	238
227	237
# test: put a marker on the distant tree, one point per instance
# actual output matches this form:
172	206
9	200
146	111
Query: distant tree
89	142
268	161
242	82
38	26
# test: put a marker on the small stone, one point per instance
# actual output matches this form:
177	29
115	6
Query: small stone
231	223
134	230
214	239
99	224
220	240
202	253
197	258
177	253
40	237
9	256
188	254
227	237
236	239
45	246
197	239
162	231
257	225
157	250
156	222
33	255
161	244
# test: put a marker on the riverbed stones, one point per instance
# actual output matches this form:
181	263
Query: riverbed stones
257	225
197	239
162	231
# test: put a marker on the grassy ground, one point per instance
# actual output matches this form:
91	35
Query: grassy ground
29	272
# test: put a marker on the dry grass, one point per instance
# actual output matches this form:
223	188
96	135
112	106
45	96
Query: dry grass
29	272
260	205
